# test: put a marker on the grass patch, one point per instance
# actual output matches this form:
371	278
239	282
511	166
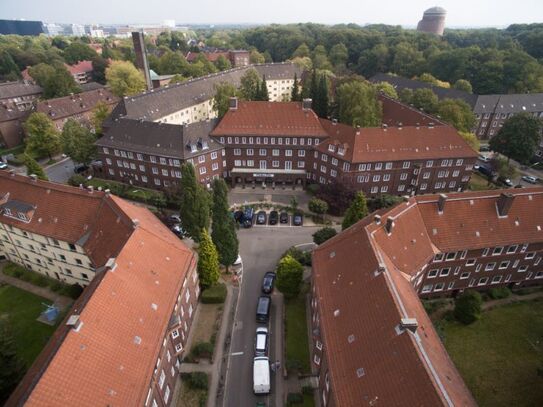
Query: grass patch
191	395
297	343
479	183
23	308
498	355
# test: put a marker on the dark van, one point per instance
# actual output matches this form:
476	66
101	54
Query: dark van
248	216
263	309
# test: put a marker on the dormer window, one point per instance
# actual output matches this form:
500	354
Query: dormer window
331	148
7	211
21	216
341	151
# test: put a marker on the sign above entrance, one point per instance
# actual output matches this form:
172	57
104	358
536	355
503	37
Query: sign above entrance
257	175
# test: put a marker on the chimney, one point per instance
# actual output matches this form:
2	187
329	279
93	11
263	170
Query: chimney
306	104
409	324
389	225
107	191
91	189
233	103
504	203
34	177
377	219
334	121
441	202
141	57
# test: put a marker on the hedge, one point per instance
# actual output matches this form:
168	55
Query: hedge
196	380
202	350
216	294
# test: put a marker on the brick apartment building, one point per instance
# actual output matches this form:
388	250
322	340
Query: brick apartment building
81	72
122	340
78	106
150	154
286	143
433	245
236	57
19	95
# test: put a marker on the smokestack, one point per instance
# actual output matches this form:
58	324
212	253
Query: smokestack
389	225
441	202
306	104
504	203
141	57
233	103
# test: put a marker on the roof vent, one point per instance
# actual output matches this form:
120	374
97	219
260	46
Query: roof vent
334	121
233	103
91	189
410	324
350	338
389	225
74	322
377	219
34	177
107	191
360	372
306	104
332	255
137	340
441	203
135	223
504	203
336	313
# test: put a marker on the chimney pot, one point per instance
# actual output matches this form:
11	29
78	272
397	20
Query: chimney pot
389	225
504	203
34	177
441	202
91	189
377	219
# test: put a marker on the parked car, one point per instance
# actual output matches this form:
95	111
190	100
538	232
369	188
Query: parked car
179	231
485	171
504	181
261	341
3	165
484	159
261	218
238	261
238	216
297	219
263	309
174	218
267	282
484	149
248	216
283	217
274	216
530	179
261	375
80	168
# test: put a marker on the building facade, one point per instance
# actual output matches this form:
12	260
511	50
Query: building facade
132	266
19	95
427	246
237	58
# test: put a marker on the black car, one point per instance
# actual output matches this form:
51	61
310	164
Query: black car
238	216
283	217
263	309
274	216
80	168
261	218
267	282
504	181
297	219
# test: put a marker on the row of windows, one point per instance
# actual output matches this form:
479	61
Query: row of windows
271	140
496	251
263	152
263	164
480	282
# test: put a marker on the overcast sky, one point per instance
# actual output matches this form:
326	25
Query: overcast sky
475	13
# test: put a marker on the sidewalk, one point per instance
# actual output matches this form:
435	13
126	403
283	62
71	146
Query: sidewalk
214	369
61	301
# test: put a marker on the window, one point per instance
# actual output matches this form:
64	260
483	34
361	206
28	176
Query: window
451	285
463	254
262	152
333	173
374	190
451	256
237	151
324	157
522	269
275	152
524	248
317	359
497	251
503	265
406	164
427	288
331	148
432	273
323	169
384	189
161	379
485	252
318	344
165	172
376	178
106	150
445	272
288	153
388	166
378	166
438	257
386	177
490	266
401	188
530	255
459	162
483	281
496	279
464	275
202	170
346	166
167	394
512	249
403	176
429	163
439	287
470	262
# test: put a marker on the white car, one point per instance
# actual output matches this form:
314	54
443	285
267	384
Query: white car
530	179
261	341
261	375
484	159
3	165
238	261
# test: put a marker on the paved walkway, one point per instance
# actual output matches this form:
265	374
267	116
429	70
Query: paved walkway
216	368
61	301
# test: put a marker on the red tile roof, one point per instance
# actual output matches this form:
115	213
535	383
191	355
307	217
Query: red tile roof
80	67
377	144
69	214
210	56
270	119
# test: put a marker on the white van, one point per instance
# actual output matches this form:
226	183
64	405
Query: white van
261	375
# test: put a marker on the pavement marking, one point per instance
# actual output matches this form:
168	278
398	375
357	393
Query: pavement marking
236	354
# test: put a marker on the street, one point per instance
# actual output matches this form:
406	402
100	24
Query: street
61	171
260	248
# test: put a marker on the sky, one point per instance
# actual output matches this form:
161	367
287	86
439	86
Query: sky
460	13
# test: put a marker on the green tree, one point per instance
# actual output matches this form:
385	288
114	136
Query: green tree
339	54
171	63
32	167
9	71
250	84
302	51
295	95
467	307
262	94
463	84
13	367
256	57
358	210
55	80
124	79
457	113
223	92
99	113
518	138
194	208
99	66
320	103
319	58
471	139
358	104
425	99
289	276
318	206
208	261
406	96
429	78
223	230
78	142
177	79
42	138
387	89
77	51
41	73
206	65
322	235
222	63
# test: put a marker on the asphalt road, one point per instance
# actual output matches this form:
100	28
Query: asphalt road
61	171
260	249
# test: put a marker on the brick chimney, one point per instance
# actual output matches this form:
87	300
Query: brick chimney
504	203
233	103
441	202
306	104
389	225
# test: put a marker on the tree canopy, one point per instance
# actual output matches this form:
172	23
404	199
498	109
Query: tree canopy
208	261
42	138
358	210
33	167
78	142
358	104
223	230
518	138
124	78
221	102
289	276
194	208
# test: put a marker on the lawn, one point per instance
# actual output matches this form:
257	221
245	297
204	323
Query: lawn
297	343
22	309
479	183
498	355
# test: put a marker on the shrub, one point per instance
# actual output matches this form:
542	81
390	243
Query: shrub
302	257
322	235
14	270
383	201
76	180
318	206
467	307
289	276
216	294
295	398
313	189
196	380
56	286
72	291
202	350
499	292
